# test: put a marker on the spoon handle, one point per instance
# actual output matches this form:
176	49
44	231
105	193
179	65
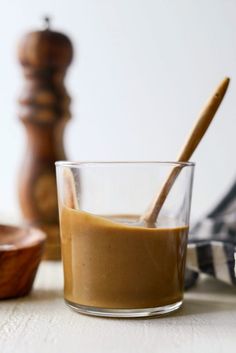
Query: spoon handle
203	121
197	133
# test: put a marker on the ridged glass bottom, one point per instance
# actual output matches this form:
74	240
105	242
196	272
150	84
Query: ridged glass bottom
124	313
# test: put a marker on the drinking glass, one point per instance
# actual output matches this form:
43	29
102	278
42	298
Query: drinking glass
114	263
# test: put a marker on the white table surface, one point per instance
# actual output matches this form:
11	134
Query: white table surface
42	323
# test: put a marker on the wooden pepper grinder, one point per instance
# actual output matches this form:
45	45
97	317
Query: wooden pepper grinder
44	111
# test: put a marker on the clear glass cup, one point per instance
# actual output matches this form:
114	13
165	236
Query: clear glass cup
114	264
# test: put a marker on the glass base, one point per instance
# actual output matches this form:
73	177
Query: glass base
124	313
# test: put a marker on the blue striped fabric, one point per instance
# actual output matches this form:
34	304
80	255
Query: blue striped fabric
212	246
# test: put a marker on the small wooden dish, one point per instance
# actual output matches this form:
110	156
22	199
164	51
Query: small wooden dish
21	249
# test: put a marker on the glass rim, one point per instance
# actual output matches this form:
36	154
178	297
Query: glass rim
72	164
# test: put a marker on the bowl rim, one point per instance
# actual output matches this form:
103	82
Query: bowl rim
39	239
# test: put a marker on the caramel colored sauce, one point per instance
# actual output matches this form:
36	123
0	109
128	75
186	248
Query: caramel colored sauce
111	263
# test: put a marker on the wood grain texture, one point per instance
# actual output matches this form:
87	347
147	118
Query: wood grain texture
42	323
203	121
44	111
21	251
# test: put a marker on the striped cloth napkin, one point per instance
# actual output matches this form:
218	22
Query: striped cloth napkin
212	245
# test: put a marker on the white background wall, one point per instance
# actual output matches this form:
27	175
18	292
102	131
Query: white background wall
141	73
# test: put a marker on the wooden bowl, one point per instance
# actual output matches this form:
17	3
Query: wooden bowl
21	249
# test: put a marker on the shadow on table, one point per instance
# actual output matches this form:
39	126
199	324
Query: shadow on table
191	307
209	296
201	306
45	295
37	295
210	285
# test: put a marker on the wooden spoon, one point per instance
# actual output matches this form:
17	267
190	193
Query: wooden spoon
198	131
